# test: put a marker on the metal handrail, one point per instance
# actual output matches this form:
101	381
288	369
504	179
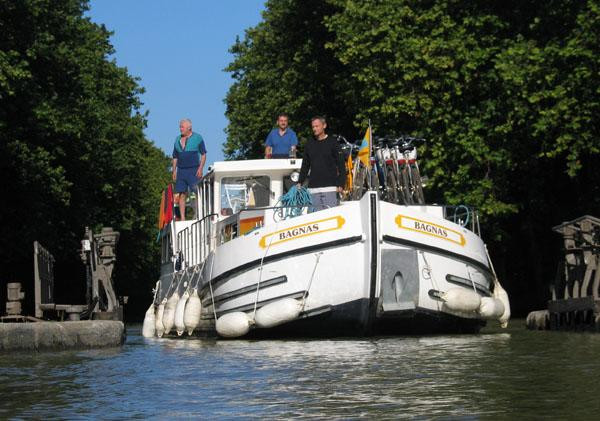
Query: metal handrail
194	242
269	207
473	222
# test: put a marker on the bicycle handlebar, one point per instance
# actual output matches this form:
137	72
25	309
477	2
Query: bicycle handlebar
345	145
405	142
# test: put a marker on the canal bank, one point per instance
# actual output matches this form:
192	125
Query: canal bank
47	329
50	336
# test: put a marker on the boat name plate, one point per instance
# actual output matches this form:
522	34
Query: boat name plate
429	228
303	230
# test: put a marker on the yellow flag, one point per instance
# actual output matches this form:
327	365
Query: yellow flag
364	152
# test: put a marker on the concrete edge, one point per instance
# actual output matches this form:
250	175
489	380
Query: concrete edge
53	336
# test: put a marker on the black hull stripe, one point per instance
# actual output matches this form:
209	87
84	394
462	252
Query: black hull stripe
259	304
468	284
437	250
242	291
268	259
374	249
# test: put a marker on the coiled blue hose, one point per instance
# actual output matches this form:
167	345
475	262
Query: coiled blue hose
294	201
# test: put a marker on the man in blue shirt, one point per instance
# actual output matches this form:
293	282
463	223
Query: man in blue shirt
281	140
189	156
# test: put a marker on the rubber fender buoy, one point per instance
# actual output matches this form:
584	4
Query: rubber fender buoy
278	312
233	325
169	316
502	295
160	328
461	299
149	326
191	315
491	308
179	310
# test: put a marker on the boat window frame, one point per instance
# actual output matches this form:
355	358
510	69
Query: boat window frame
264	180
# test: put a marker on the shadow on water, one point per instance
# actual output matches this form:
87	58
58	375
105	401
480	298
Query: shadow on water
494	374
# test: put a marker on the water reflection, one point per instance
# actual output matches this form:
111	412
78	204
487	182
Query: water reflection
494	374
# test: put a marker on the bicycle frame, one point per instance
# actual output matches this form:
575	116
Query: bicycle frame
393	170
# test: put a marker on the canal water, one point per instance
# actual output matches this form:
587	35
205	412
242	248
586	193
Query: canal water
498	374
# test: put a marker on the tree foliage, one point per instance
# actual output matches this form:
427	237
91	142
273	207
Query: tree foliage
282	65
507	95
73	153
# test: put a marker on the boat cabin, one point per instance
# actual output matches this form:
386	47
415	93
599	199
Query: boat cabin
237	196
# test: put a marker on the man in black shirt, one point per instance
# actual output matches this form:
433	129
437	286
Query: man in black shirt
323	158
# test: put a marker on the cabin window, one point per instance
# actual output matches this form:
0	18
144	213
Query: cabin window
244	192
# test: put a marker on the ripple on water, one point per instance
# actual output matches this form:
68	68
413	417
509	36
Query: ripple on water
497	374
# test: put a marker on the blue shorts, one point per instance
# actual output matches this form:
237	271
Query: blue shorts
186	180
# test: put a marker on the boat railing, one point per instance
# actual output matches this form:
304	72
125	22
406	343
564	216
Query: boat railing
194	243
465	216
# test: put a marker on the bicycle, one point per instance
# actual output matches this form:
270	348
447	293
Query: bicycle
348	150
393	171
361	178
414	173
383	153
404	154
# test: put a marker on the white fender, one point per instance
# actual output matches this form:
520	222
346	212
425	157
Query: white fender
491	308
502	295
461	299
278	312
179	310
169	316
232	325
149	326
160	328
191	315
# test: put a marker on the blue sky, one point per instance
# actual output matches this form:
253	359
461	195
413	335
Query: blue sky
179	50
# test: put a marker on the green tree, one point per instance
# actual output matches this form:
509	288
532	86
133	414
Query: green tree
282	65
506	94
73	151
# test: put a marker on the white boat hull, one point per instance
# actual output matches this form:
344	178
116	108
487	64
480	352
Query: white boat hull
360	268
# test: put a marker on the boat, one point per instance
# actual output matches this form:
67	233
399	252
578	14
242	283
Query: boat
365	267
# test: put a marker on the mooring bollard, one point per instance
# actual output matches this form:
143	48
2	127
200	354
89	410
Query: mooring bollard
538	320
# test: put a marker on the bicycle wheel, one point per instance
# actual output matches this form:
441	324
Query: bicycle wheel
417	184
358	183
374	178
380	174
405	186
391	187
